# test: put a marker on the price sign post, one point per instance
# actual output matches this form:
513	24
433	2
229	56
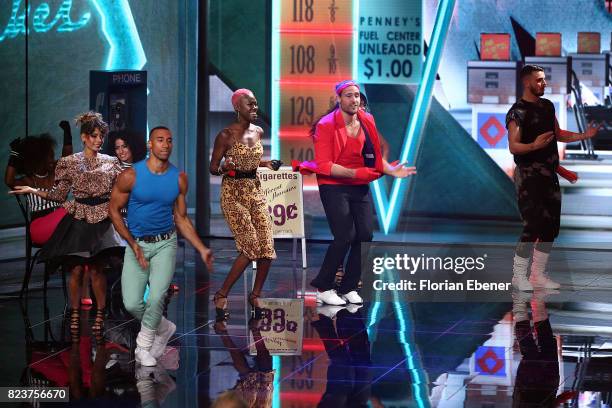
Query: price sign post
282	190
312	50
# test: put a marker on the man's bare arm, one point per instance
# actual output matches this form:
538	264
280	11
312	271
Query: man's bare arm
568	137
518	148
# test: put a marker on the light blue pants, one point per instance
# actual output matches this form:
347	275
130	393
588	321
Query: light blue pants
162	258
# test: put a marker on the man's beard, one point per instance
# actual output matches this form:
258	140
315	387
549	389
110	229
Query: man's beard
535	91
350	110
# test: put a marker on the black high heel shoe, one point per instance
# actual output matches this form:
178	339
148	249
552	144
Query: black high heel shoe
222	314
256	311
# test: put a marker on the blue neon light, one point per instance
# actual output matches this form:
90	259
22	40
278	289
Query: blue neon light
16	25
116	22
419	381
276	366
118	27
388	210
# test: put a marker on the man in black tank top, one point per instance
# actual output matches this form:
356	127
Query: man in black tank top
533	131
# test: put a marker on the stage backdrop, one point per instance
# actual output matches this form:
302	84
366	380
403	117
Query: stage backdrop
70	38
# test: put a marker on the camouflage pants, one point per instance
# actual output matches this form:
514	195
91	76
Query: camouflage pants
539	202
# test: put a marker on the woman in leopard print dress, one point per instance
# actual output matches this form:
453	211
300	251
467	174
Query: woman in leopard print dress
242	202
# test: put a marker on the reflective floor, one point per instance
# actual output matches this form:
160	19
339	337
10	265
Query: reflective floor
556	351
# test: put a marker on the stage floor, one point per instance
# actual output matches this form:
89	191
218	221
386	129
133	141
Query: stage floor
387	354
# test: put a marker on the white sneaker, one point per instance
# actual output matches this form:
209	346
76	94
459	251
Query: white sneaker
330	297
165	330
353	297
542	281
540	295
329	310
538	278
144	357
353	308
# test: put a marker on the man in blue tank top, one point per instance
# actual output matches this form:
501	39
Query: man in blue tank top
154	192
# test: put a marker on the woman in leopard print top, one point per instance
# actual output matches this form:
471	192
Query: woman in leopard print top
85	237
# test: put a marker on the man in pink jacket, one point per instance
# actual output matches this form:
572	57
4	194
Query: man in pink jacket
347	158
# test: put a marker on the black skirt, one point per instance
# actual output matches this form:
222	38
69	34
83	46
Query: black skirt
77	238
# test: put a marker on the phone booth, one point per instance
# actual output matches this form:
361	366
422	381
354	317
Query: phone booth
121	98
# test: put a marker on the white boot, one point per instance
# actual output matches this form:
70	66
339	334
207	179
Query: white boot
165	330
538	278
144	341
519	274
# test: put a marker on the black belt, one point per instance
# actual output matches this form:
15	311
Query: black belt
243	174
92	200
156	238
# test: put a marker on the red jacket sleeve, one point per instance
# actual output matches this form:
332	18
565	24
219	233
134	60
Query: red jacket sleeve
324	148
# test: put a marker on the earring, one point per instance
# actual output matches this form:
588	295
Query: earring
237	115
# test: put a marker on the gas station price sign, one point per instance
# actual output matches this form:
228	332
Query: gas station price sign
312	50
390	41
317	43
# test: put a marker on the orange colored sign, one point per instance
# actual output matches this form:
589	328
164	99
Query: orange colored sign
589	43
494	47
548	44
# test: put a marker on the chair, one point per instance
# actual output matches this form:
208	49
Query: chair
31	259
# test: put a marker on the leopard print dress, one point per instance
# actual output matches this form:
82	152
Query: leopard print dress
244	206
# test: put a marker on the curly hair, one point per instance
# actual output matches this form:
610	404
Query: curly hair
133	139
36	151
90	121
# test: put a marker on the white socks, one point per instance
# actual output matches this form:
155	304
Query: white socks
145	338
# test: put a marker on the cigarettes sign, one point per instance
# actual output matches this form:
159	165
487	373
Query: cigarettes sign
283	192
